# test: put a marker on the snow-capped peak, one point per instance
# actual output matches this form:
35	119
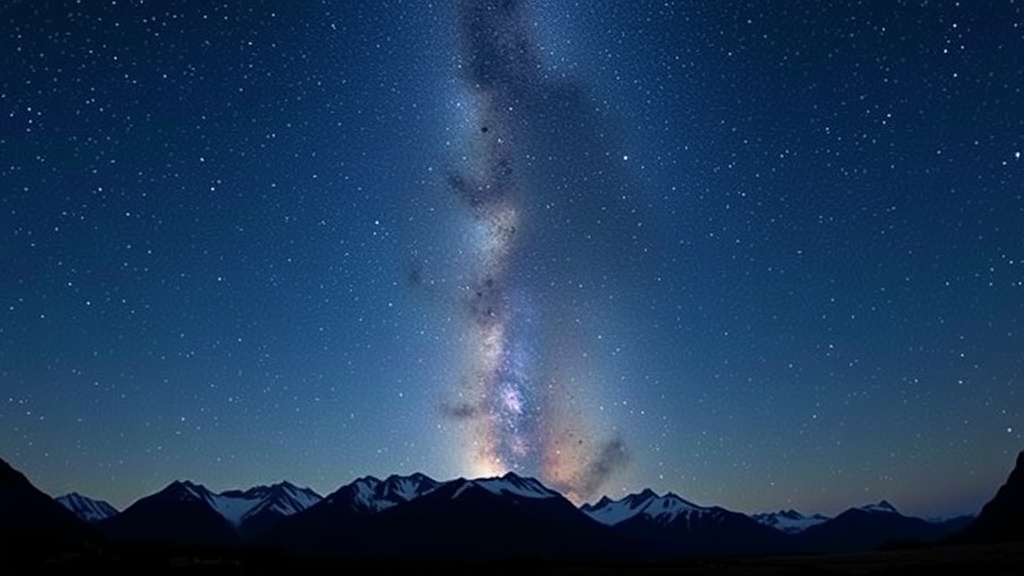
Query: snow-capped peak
789	521
883	507
661	509
370	494
188	490
86	508
509	484
283	499
297	498
236	506
405	488
364	494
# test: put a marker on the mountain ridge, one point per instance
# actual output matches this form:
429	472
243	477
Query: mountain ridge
28	512
510	516
85	508
1001	518
789	521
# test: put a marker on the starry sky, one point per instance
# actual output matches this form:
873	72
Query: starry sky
762	254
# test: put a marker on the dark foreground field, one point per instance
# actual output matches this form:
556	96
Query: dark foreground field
976	560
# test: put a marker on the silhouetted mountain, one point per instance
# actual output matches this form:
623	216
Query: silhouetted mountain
27	513
344	511
190	514
955	524
269	505
869	528
493	518
86	508
882	506
507	518
181	514
1002	518
788	521
368	494
611	512
673	526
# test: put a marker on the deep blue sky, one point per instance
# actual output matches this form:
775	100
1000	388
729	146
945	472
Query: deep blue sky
766	254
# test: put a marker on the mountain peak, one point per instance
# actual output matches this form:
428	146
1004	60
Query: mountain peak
674	496
789	521
788	513
662	509
414	477
370	494
647	494
881	507
404	488
261	488
87	508
186	490
185	484
511	484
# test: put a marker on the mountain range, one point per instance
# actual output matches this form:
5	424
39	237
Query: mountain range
185	513
670	525
510	517
870	527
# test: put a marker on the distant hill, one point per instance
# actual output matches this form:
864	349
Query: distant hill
871	527
669	526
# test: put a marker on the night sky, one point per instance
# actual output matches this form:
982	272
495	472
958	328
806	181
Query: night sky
763	254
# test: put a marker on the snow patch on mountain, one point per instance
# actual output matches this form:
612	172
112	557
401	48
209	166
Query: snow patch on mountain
185	490
289	499
365	494
86	508
509	484
789	521
405	488
370	494
236	506
661	509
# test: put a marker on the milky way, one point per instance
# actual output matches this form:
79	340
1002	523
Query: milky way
773	247
517	395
